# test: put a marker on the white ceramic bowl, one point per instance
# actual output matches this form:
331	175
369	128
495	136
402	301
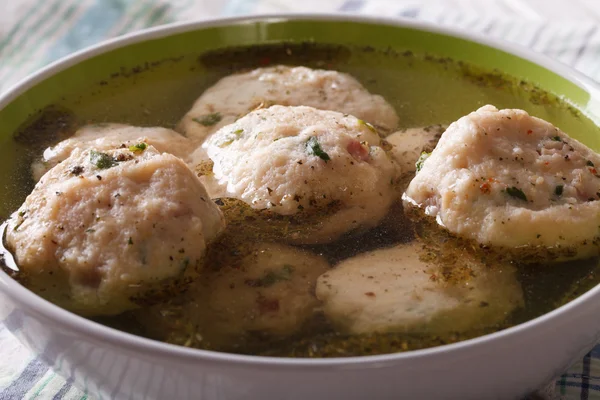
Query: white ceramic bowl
112	364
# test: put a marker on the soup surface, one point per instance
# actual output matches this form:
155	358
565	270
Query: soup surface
212	314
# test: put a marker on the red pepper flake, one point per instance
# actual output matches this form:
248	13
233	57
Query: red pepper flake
529	132
265	61
485	188
593	171
547	163
370	294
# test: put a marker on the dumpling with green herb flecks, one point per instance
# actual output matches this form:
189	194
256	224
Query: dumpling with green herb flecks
300	161
509	180
236	95
254	288
271	289
110	136
108	231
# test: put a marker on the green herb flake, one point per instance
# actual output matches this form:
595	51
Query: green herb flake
225	143
314	148
102	160
238	132
368	125
557	139
516	192
138	148
558	190
419	164
272	277
209	119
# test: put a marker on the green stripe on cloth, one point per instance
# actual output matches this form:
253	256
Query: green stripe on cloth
8	38
42	386
19	45
64	18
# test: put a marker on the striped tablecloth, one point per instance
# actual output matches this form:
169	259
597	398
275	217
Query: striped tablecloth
35	33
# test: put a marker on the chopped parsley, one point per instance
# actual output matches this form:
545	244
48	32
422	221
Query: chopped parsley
272	277
314	148
419	164
238	132
558	190
225	143
102	160
138	148
209	119
557	139
516	192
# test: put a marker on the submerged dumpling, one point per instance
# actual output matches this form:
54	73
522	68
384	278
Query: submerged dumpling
270	290
404	289
299	161
238	94
407	145
267	289
504	178
110	136
103	232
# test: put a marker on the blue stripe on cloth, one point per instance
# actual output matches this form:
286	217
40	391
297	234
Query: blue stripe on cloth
596	351
580	385
351	5
63	390
91	28
585	377
585	43
28	378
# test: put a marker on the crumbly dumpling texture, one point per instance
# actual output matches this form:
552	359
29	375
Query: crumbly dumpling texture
110	136
504	178
394	289
407	145
292	160
103	231
238	94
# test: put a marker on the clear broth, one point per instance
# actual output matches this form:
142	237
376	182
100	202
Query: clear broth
424	89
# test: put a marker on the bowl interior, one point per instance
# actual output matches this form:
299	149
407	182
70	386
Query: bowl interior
127	60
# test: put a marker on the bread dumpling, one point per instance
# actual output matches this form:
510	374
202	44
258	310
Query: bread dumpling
405	289
325	168
512	181
236	95
107	231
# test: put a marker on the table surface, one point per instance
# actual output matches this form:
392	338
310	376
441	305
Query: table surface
34	33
